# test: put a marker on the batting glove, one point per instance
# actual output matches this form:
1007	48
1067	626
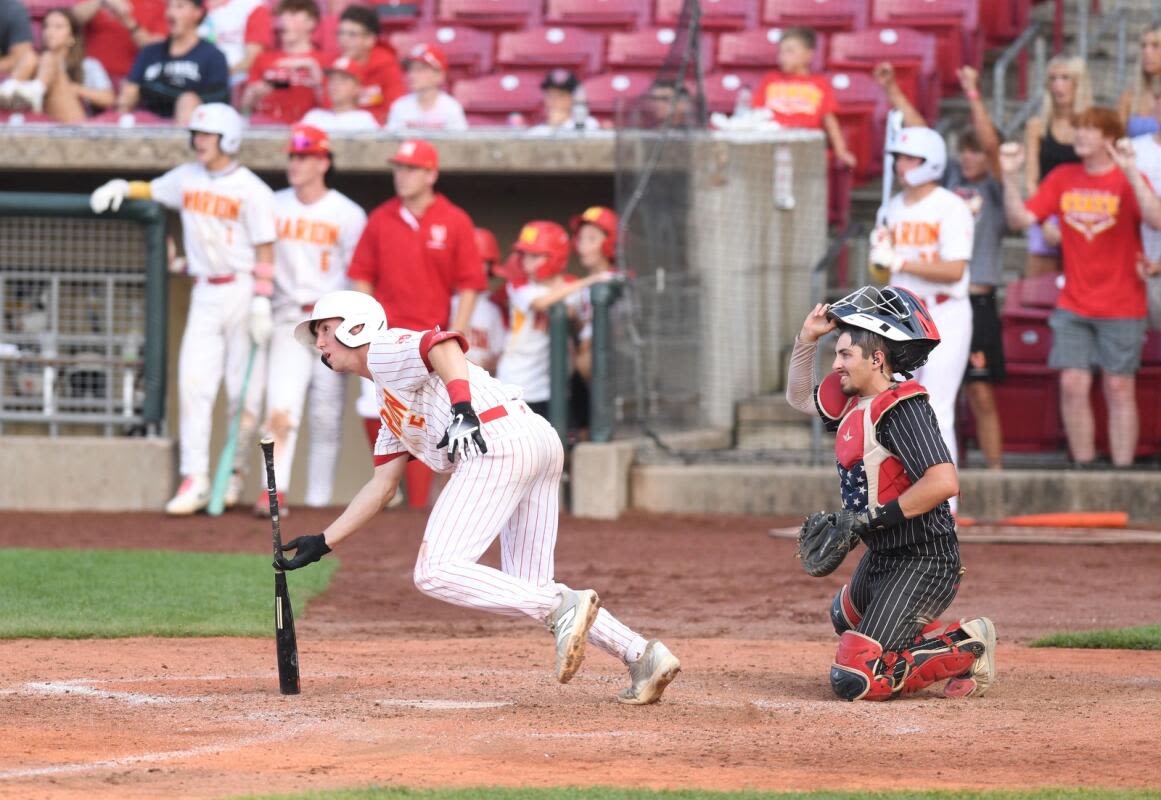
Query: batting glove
884	261
309	549
261	320
463	435
109	197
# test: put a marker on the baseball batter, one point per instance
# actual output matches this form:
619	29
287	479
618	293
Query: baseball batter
895	477
318	229
505	464
228	232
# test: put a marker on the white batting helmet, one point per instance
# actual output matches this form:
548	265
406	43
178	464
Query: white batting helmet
926	144
354	309
221	119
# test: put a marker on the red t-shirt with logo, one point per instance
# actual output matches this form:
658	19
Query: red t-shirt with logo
1100	239
417	265
297	89
109	41
796	101
383	84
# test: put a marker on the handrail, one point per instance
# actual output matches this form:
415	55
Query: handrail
1035	99
1000	68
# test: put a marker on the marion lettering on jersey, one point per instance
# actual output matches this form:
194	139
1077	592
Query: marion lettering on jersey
308	230
203	201
1089	211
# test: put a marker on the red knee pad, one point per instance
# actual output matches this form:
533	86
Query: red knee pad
935	659
855	673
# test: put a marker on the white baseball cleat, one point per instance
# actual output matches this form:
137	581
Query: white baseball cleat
193	495
976	681
570	625
650	674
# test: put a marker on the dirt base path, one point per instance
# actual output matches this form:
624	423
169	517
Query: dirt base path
401	690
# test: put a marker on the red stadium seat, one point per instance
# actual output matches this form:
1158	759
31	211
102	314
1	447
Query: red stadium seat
491	13
648	49
38	8
606	93
955	24
469	51
1028	401
399	14
492	99
758	49
548	48
716	15
862	115
326	36
1003	20
142	118
721	88
822	15
606	15
15	119
912	53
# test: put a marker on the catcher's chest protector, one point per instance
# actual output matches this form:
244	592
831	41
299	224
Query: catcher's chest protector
870	474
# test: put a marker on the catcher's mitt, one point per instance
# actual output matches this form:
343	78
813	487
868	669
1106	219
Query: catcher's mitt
825	540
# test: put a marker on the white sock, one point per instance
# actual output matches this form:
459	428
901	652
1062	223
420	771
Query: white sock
635	650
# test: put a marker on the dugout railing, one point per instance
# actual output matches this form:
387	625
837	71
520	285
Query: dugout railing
84	316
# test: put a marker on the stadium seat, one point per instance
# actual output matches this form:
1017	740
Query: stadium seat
648	49
16	119
839	182
326	36
954	23
606	93
114	117
862	115
828	16
469	51
912	53
507	14
548	48
399	14
716	15
721	88
758	49
1003	20
605	15
38	8
1028	401
492	99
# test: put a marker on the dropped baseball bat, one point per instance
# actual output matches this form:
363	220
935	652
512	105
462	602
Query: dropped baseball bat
285	641
225	468
1060	519
894	125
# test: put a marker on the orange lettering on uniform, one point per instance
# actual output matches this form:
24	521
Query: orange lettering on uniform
415	421
205	202
391	411
305	230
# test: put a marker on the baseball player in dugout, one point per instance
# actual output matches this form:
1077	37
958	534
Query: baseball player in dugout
417	251
228	235
505	465
318	228
895	478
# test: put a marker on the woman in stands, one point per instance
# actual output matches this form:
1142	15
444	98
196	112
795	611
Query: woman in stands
68	85
1136	104
1048	140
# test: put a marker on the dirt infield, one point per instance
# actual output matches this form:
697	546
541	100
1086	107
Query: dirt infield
399	689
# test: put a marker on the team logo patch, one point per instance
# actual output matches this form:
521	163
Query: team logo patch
1089	212
439	233
528	235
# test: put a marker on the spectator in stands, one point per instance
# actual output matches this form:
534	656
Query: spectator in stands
241	29
562	112
975	177
17	58
798	99
667	103
1148	150
1099	321
1136	104
67	84
345	79
428	106
171	78
116	29
286	83
358	40
1048	141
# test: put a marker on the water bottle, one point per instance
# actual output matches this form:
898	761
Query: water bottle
580	109
742	102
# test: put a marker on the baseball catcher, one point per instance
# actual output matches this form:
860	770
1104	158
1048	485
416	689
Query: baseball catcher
895	479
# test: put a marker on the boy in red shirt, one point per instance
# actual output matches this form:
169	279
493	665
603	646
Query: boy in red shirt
358	37
1100	314
116	29
285	84
798	99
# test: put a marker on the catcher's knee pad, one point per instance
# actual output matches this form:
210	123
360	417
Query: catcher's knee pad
939	657
843	614
855	675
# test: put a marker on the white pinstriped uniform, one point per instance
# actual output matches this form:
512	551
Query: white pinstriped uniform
511	491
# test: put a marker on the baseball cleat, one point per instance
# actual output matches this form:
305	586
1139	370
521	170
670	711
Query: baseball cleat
976	681
193	495
570	625
650	674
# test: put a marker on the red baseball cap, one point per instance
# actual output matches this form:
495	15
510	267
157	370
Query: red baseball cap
349	66
307	140
417	153
429	54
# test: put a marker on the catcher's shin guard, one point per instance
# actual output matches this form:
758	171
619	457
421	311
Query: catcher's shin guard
942	656
843	614
855	673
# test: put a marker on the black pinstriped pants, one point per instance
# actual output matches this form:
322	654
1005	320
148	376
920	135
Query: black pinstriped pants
900	591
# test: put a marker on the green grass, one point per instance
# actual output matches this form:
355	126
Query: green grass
1143	637
598	793
80	594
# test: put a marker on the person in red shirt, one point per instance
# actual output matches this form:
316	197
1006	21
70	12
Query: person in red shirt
1100	315
116	29
358	37
798	99
417	251
285	84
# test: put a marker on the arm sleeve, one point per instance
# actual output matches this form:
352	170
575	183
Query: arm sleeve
522	298
828	105
259	210
1046	201
215	85
363	261
457	120
137	71
398	359
166	189
800	377
95	75
911	431
957	232
260	28
387	447
395	116
758	99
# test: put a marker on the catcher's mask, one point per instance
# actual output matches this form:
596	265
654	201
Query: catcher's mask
898	316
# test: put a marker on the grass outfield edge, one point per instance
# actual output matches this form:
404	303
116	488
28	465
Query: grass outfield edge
1140	637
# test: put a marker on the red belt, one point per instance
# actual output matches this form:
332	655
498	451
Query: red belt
309	307
218	279
941	298
493	413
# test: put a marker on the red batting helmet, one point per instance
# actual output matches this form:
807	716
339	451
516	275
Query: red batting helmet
486	244
603	219
898	316
542	237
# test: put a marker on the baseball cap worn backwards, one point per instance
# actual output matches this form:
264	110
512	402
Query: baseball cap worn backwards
416	153
560	79
428	54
